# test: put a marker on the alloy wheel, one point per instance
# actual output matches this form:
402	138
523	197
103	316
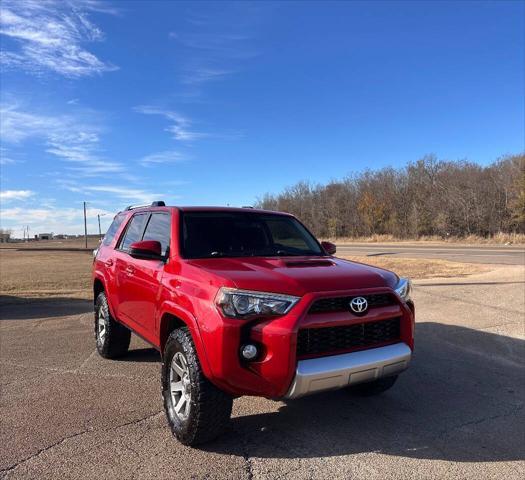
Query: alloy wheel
101	327
180	385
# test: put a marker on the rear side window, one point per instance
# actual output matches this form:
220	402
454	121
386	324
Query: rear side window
134	231
159	229
113	228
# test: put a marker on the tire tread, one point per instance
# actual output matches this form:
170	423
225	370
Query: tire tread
211	408
118	337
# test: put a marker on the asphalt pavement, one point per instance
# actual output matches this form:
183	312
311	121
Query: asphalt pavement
493	254
456	413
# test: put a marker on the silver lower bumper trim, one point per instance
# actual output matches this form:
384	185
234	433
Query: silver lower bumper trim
338	371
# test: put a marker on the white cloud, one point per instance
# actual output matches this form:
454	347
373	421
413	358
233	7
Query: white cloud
52	219
46	215
181	126
66	137
168	156
50	35
7	195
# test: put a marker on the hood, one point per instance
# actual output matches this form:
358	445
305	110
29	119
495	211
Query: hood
296	275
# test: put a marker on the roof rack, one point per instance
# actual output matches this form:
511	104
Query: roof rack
157	203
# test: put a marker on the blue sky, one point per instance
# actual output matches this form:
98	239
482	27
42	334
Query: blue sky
118	103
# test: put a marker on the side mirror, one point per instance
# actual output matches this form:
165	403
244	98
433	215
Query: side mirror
146	250
329	247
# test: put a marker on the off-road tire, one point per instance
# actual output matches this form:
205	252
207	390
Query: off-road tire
210	408
115	341
374	388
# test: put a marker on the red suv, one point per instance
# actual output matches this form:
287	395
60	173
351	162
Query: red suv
245	302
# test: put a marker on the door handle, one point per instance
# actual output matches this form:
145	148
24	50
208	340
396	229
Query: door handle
109	262
130	270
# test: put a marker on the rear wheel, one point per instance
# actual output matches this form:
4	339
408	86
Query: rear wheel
197	411
374	388
112	337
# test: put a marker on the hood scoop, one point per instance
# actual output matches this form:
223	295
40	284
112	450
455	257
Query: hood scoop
309	263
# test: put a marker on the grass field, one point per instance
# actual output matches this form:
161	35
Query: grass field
498	239
27	274
54	244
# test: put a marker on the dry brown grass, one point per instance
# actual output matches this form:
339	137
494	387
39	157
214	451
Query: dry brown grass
417	268
65	243
498	239
26	274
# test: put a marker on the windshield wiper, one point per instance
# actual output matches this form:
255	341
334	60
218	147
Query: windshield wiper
230	254
295	254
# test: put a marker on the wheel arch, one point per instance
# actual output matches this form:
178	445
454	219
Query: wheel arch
98	288
168	323
171	320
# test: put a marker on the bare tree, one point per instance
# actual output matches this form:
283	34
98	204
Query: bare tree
427	197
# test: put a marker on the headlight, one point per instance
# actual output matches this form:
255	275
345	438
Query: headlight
404	288
243	303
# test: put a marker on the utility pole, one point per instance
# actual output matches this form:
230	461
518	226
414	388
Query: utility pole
85	224
99	229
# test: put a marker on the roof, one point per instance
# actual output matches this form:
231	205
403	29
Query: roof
203	209
229	209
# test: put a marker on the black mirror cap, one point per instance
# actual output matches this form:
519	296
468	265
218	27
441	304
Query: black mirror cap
144	255
329	248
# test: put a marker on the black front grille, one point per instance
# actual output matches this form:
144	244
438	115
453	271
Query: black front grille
322	341
342	304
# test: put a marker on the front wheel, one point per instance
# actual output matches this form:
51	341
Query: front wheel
374	388
197	411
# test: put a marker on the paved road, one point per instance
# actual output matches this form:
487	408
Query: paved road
457	413
494	254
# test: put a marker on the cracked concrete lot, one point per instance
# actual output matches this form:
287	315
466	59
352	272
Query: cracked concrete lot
456	413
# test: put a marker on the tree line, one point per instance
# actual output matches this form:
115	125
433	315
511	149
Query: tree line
429	197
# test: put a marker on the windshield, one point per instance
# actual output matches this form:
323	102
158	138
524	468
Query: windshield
239	234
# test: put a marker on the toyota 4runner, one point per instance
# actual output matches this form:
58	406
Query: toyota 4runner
241	301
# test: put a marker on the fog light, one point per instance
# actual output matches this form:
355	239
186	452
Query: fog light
249	352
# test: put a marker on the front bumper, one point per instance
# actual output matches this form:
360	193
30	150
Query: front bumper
276	370
338	371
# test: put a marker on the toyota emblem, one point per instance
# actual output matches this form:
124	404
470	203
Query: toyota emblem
358	305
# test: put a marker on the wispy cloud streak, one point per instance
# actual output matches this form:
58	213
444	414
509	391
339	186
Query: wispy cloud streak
180	127
65	137
214	45
168	156
130	194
